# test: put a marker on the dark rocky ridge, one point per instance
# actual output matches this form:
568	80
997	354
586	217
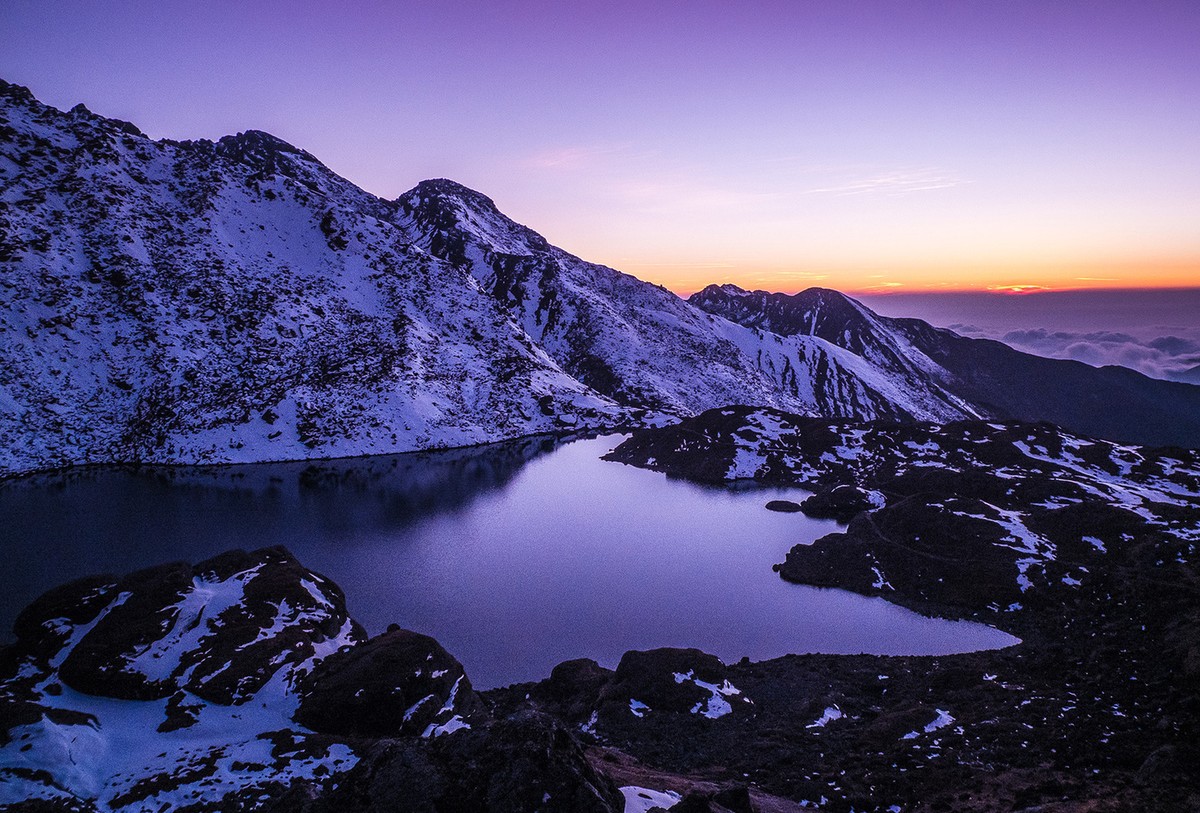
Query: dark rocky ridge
1084	548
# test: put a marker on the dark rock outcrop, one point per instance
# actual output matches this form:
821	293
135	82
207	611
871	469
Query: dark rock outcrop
672	681
525	762
397	684
843	503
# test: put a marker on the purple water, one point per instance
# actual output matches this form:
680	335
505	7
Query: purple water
515	556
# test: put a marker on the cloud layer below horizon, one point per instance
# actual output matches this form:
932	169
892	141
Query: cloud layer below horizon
1169	357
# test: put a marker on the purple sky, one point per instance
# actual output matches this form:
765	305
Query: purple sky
775	144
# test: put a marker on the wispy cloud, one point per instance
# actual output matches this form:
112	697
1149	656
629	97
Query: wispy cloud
891	182
581	156
1017	289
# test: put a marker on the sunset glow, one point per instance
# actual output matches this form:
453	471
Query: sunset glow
861	146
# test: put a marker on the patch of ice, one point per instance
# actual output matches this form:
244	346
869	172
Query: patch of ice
831	713
455	723
942	720
640	800
716	705
880	582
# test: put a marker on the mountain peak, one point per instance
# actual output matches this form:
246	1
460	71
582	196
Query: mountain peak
724	289
460	214
444	188
821	312
19	96
808	296
17	93
801	306
256	146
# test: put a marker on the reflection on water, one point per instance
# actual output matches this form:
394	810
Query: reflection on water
515	556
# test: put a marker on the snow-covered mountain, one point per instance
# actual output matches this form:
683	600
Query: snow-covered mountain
237	301
641	345
234	301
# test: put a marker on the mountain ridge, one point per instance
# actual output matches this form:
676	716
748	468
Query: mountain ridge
234	301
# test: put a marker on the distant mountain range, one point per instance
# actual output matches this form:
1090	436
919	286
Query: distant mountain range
1113	402
231	301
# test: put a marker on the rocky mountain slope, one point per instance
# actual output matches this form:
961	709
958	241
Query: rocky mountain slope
640	344
184	302
996	380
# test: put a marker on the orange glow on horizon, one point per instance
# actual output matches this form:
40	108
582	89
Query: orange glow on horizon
685	279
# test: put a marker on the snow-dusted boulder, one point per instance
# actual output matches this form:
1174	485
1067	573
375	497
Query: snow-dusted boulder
677	681
397	684
220	630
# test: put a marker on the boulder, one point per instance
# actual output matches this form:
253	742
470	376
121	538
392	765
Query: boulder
681	681
400	683
525	762
220	630
841	503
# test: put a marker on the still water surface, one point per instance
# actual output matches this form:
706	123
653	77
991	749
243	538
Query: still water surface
514	556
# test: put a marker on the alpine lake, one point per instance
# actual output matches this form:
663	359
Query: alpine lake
515	556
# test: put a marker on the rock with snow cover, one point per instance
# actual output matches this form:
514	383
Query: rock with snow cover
672	681
971	517
241	684
219	630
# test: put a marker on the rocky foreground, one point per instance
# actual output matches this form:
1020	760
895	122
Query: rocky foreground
241	683
1085	548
